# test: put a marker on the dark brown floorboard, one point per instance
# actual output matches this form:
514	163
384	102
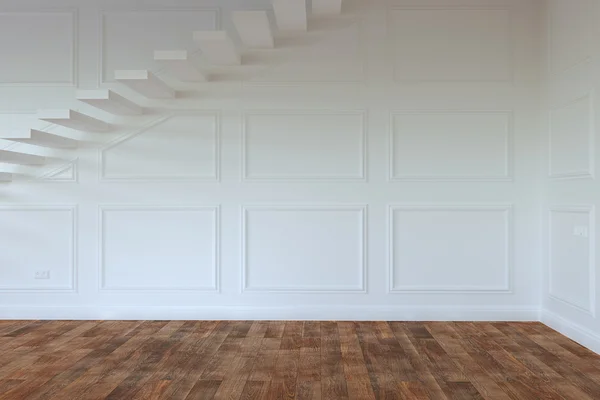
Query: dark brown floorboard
293	360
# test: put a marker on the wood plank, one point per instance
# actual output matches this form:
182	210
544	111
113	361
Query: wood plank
292	360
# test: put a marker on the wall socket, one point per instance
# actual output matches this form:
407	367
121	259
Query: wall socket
42	274
581	231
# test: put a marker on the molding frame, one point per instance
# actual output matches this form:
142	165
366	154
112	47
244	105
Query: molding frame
72	209
48	175
590	97
553	72
509	149
364	64
363	177
578	209
391	41
101	31
360	208
102	209
507	209
153	124
73	62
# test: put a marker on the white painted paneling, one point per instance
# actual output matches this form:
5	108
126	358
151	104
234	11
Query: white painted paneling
308	59
570	33
571	256
301	135
572	140
29	39
129	38
159	248
182	146
569	286
27	248
450	248
304	248
281	145
451	146
64	173
451	43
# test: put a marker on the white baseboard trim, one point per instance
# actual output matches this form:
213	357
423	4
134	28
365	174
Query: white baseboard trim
573	331
339	313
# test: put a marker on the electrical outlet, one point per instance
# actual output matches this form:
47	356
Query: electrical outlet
581	231
42	274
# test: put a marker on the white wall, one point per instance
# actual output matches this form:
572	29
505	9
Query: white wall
571	191
384	165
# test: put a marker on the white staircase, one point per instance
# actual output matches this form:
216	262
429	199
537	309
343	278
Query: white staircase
217	47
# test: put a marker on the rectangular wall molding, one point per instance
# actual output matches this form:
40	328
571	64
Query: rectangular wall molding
71	41
495	166
162	249
303	65
71	273
500	241
563	143
579	46
589	275
213	21
200	162
302	126
466	64
320	254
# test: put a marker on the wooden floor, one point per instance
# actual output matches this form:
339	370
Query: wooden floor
292	360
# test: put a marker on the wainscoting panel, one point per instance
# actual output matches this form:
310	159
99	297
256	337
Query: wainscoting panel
572	134
571	257
144	248
448	248
183	146
32	260
571	34
451	146
468	44
129	37
310	248
53	44
310	145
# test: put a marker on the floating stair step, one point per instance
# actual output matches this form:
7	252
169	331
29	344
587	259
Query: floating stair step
326	8
254	28
179	64
217	47
15	157
109	101
291	15
39	138
74	120
145	83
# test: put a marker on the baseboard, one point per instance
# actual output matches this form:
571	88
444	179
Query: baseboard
573	331
339	313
